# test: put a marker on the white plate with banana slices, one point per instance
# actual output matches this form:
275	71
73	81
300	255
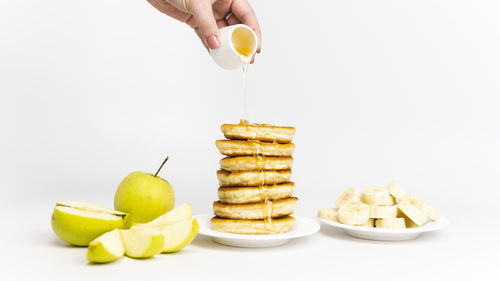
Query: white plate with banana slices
303	227
387	234
382	213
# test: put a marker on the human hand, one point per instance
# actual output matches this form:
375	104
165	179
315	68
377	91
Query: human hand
207	16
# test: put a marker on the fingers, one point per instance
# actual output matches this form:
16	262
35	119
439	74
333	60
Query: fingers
203	15
198	32
170	10
220	24
232	20
242	10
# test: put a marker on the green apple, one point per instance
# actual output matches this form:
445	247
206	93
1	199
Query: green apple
78	223
141	242
106	248
144	196
177	235
182	212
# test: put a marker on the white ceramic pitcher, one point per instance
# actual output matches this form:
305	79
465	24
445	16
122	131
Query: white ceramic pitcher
238	43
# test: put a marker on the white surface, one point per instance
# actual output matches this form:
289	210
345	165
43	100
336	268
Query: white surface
378	91
385	234
303	227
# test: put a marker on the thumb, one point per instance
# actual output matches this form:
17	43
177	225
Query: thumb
204	16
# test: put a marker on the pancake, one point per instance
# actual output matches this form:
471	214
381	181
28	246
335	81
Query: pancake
255	194
252	178
244	163
263	132
256	211
254	147
277	225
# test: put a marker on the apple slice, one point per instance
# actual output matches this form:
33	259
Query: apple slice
106	248
179	235
176	235
142	242
182	212
78	223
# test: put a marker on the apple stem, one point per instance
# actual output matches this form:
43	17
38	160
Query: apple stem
161	166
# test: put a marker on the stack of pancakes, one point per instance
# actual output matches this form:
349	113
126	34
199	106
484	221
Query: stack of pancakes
255	193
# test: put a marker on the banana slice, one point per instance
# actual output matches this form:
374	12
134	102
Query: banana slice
368	223
409	223
398	192
383	212
377	195
354	213
328	214
414	214
428	210
350	194
390	223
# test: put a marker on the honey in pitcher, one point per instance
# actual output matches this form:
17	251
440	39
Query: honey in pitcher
243	42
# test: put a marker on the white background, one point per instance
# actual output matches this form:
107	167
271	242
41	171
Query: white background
378	90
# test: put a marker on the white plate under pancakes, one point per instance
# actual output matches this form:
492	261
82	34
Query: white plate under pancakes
303	227
385	234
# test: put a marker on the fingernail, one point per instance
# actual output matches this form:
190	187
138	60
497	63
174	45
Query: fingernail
213	42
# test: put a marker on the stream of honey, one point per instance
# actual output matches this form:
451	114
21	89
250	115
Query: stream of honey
241	43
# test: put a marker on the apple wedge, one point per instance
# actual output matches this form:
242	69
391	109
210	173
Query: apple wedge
182	212
78	223
142	242
176	235
179	235
106	248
